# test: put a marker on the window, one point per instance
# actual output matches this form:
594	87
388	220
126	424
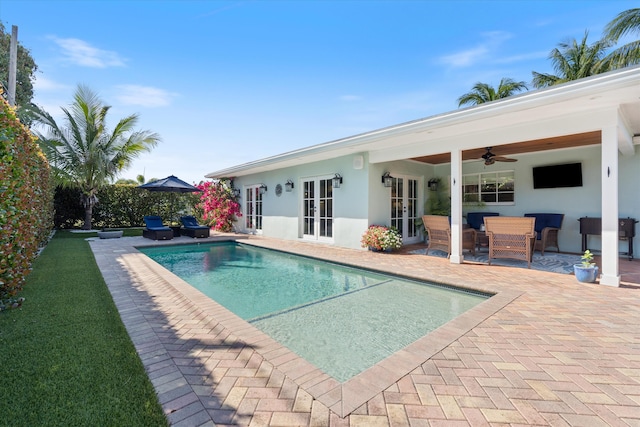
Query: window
491	188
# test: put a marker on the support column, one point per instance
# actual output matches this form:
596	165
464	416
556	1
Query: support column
609	268
456	206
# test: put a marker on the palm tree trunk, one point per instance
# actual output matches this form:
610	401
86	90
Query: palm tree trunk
88	213
88	202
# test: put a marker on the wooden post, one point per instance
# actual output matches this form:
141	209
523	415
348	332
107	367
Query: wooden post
13	66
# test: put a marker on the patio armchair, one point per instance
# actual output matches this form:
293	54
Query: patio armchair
510	237
476	221
191	227
155	230
546	227
439	232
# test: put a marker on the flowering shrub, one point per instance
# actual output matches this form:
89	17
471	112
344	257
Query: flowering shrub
380	238
219	205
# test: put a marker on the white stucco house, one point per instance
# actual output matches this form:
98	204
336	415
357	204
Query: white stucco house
332	192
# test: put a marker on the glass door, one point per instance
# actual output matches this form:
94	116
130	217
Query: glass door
404	208
317	209
253	210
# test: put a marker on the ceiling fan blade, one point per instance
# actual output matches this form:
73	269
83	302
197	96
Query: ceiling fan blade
504	159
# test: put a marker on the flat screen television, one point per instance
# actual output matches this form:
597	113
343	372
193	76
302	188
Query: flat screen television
555	176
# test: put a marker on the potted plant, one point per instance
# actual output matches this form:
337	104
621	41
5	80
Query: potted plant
380	238
587	270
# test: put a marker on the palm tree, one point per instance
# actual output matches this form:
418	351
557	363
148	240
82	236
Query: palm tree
483	92
85	154
629	54
572	60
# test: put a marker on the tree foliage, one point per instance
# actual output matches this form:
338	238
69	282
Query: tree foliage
483	92
25	75
86	154
627	22
573	60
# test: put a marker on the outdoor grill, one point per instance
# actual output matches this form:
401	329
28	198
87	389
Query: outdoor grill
593	226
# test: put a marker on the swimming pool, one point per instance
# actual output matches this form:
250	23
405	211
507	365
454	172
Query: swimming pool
341	319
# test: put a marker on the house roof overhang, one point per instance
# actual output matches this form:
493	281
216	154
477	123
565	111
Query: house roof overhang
563	116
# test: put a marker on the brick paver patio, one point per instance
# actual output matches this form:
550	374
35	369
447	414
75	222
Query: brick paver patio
546	350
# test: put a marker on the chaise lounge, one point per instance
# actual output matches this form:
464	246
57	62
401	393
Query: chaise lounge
191	227
155	230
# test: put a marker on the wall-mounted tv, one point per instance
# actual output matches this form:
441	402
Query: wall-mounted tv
555	176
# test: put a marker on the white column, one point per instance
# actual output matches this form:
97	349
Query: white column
609	269
456	206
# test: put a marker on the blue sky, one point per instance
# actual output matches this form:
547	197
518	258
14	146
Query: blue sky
228	82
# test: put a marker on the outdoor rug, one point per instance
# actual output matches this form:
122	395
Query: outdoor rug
550	261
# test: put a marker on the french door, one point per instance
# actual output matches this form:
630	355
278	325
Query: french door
404	207
317	209
253	210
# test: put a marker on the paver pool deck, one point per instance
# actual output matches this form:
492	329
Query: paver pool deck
545	350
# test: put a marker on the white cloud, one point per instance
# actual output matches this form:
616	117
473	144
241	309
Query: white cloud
491	42
82	53
145	96
44	84
523	57
350	98
465	58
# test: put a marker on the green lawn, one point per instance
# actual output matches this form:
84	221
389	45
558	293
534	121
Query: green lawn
65	355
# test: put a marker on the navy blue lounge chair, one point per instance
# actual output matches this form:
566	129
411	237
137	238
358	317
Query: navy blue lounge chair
191	228
155	229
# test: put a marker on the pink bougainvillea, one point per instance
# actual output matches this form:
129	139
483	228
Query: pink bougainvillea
219	205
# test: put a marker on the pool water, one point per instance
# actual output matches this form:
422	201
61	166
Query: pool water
341	319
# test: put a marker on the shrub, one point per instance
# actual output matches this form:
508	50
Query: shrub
219	205
26	203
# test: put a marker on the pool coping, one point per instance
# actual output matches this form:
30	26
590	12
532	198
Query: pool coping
340	398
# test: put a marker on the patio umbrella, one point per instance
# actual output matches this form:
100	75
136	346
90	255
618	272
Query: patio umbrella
170	184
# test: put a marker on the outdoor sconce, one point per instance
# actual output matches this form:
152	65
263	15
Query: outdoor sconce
236	192
263	188
387	179
433	184
288	186
337	180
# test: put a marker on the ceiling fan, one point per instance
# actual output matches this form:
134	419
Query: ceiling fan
490	158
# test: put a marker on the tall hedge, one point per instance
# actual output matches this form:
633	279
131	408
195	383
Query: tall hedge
26	202
121	205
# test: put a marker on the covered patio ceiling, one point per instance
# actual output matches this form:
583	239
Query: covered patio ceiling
555	143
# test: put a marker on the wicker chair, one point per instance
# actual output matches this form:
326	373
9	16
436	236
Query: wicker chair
547	227
510	237
439	232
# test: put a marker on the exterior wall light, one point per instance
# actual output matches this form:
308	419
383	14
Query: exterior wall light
288	186
236	192
387	179
433	184
263	188
337	180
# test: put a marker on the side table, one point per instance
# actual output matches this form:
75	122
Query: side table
176	230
